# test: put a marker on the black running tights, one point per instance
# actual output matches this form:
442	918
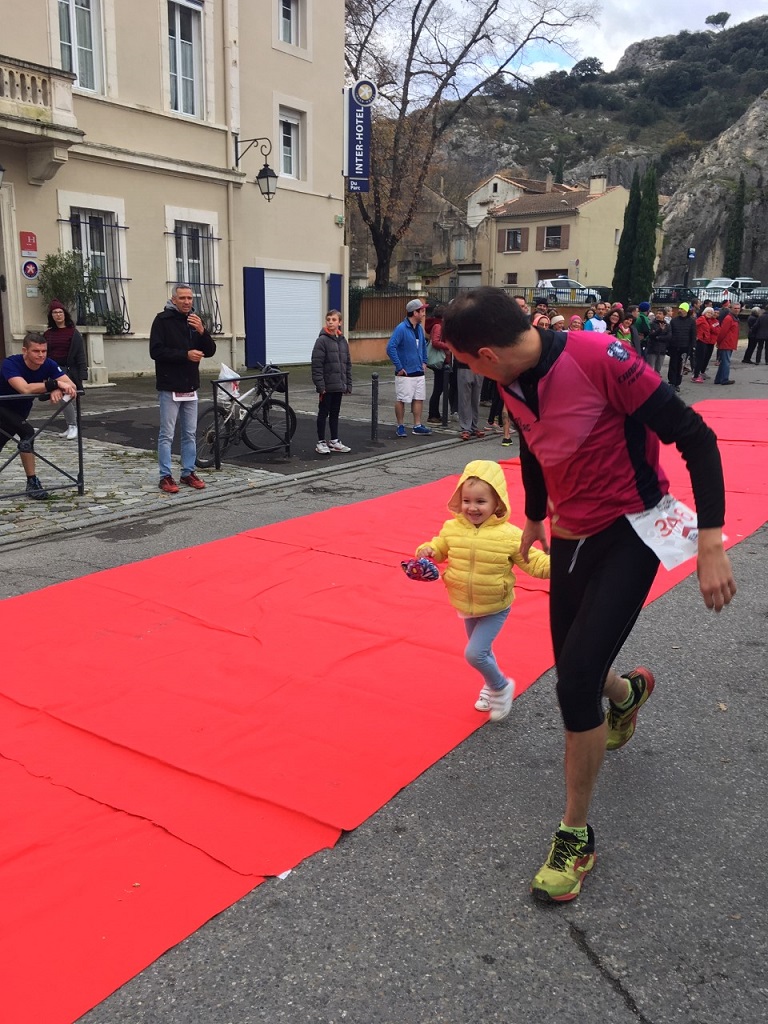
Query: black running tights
597	589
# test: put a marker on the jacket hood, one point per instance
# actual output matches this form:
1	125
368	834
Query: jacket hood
492	474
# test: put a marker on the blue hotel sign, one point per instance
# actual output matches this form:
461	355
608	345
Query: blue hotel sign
357	134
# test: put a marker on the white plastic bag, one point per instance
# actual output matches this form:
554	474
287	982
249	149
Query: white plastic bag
232	387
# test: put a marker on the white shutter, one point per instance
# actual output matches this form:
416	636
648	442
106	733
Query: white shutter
469	278
294	314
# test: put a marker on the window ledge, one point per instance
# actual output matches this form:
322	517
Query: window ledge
292	50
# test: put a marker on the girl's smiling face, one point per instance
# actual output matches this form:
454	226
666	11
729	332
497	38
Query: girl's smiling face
479	501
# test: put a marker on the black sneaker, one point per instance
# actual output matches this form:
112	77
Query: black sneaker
35	489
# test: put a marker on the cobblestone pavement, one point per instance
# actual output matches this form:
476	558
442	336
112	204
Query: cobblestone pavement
120	482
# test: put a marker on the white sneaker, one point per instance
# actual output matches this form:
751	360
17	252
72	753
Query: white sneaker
64	433
501	701
322	448
71	433
337	446
483	703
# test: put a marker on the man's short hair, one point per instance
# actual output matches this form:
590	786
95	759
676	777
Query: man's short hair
484	317
33	338
180	287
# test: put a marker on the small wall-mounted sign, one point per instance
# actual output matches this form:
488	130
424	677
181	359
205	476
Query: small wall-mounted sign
32	291
30	269
28	243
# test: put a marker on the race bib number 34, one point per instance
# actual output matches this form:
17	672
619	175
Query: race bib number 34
669	529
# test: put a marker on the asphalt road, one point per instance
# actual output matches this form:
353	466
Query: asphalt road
422	914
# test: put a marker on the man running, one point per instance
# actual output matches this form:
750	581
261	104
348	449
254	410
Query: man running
590	415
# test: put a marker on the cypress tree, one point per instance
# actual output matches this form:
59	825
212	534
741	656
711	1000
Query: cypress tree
734	240
623	270
644	256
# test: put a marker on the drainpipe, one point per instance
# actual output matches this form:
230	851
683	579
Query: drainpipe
229	14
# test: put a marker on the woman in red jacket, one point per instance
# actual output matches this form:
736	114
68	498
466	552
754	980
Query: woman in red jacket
707	329
727	342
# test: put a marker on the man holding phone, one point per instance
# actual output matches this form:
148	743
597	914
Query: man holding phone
178	341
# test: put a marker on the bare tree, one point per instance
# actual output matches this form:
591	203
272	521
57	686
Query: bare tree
428	59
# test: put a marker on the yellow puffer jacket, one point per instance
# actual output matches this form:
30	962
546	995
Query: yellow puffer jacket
479	576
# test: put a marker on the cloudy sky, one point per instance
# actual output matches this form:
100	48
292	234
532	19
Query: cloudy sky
622	22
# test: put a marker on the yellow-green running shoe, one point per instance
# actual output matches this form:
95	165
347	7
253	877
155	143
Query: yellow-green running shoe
621	724
559	878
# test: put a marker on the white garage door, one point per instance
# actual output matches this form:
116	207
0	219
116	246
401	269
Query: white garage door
470	278
294	314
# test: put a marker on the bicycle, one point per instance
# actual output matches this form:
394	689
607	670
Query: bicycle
264	424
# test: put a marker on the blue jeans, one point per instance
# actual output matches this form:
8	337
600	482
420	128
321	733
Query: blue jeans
186	414
482	631
724	369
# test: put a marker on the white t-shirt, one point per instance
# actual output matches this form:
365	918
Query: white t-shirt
596	324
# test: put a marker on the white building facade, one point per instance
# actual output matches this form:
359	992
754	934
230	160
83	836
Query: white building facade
121	123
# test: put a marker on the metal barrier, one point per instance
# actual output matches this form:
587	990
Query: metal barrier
30	446
233	413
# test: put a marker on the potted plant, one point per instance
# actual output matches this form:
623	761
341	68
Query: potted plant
68	277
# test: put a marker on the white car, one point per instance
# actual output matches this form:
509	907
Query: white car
737	289
565	289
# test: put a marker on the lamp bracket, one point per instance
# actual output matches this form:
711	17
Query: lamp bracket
243	145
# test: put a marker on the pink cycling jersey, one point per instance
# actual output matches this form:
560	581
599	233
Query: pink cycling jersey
597	463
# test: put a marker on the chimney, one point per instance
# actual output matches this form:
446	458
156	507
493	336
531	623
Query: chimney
598	183
548	182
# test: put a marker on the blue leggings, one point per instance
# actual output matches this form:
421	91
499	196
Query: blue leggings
482	631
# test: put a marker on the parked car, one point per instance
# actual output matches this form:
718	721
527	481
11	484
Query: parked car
758	297
565	289
700	282
737	289
672	294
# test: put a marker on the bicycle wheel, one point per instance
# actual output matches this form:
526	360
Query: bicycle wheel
206	436
264	429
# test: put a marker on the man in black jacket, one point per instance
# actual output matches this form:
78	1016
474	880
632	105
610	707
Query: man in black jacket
681	342
178	341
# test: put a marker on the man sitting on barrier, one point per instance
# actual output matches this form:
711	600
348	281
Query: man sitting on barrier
30	373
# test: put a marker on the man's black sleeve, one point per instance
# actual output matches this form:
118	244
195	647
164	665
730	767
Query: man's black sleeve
533	482
676	423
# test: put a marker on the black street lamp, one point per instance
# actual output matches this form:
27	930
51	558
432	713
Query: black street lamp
266	179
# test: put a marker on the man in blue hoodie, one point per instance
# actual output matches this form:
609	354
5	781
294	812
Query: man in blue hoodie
407	348
178	341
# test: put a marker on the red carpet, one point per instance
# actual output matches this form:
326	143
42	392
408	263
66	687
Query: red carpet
229	710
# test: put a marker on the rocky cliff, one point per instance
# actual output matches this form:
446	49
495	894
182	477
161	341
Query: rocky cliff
698	212
644	56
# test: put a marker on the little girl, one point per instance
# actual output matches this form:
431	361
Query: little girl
481	546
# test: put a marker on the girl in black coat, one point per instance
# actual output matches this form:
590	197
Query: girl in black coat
67	348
